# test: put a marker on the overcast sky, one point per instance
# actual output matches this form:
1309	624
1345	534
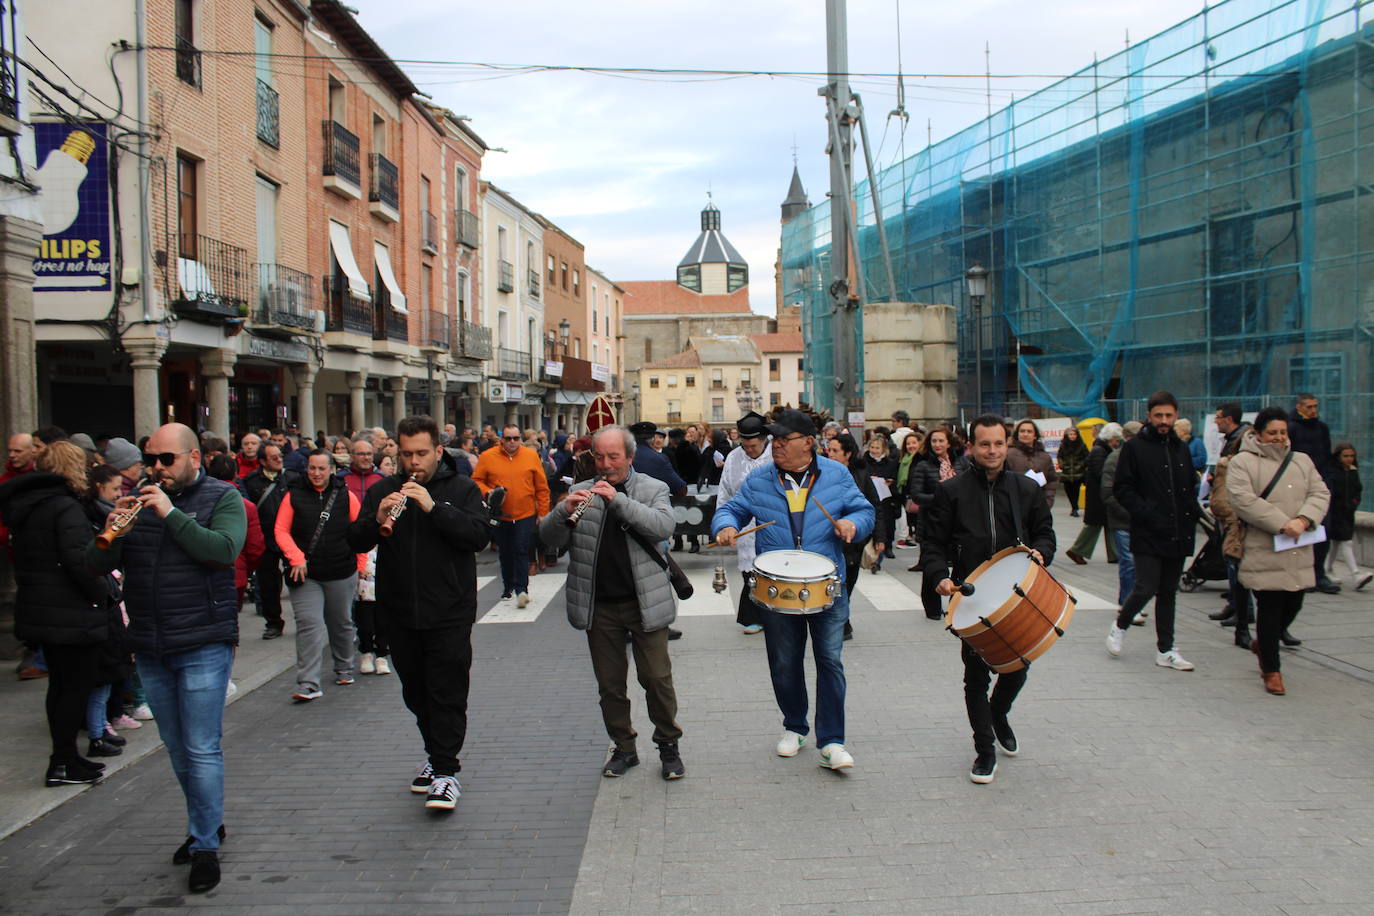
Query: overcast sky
623	163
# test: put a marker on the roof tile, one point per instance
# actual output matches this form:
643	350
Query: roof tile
665	297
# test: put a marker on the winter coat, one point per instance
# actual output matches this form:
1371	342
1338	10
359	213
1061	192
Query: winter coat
60	600
1118	519
1346	492
1198	451
1299	493
1094	513
254	545
267	498
925	477
762	499
360	483
297	519
427	569
1073	460
1313	439
643	507
687	460
1156	484
971	519
863	479
656	465
1021	459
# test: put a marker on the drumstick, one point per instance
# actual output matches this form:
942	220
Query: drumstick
827	514
741	534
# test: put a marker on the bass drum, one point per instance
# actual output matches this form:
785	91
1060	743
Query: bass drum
1016	612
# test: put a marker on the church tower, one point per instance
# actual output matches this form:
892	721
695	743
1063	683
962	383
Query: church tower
712	266
796	201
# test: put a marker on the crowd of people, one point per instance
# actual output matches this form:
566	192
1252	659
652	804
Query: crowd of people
375	535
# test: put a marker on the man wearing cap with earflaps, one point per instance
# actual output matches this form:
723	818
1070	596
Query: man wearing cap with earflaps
790	494
739	464
653	463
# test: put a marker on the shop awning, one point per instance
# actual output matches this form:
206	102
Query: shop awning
398	298
574	398
343	253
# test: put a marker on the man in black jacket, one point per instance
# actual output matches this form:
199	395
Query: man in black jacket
427	593
266	487
1155	483
974	515
1312	437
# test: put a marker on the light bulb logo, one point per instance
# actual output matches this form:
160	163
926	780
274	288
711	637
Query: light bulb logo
60	178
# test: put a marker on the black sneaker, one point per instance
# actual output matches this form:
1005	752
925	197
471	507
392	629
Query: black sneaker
102	748
671	760
183	853
420	784
443	793
619	763
1005	736
204	871
984	766
272	631
70	774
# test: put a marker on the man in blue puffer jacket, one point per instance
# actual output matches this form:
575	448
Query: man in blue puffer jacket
790	493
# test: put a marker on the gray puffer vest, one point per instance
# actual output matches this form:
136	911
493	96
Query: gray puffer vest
647	511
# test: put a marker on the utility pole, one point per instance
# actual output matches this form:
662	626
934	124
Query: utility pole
845	287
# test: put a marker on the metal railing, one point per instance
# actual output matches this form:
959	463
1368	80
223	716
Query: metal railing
434	332
512	364
385	181
188	62
212	278
506	281
341	153
467	225
389	324
675	417
345	311
286	297
471	340
429	231
534	283
269	115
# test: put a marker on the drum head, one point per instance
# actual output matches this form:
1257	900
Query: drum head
794	565
992	586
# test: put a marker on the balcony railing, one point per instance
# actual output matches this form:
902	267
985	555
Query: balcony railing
471	340
534	283
506	282
188	62
341	153
286	298
269	119
674	417
434	333
717	384
512	364
389	324
385	181
429	232
467	228
214	282
345	311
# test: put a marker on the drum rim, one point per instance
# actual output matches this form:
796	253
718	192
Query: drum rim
832	573
1003	609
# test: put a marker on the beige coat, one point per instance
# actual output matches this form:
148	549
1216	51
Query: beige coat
1300	493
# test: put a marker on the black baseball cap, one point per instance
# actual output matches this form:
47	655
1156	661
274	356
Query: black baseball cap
752	426
789	422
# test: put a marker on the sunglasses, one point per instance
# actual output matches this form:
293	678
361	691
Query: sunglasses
512	438
166	459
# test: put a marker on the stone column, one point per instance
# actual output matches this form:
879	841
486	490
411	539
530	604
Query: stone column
357	388
398	399
304	376
146	360
19	240
217	366
475	407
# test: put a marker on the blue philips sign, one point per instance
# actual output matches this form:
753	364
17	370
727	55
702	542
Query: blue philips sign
75	201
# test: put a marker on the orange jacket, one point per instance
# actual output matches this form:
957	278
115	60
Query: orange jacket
527	489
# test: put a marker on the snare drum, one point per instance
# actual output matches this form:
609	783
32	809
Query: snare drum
1016	612
794	582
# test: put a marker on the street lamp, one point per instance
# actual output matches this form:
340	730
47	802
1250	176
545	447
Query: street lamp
563	328
977	280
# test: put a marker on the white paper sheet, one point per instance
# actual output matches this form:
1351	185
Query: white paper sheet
1315	536
1036	476
880	484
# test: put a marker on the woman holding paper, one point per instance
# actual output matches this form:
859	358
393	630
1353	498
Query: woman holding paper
1279	496
1027	456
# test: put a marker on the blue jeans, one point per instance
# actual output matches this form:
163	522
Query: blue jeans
95	711
1125	565
513	546
186	693
785	635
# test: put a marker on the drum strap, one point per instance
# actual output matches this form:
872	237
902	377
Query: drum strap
797	497
1015	515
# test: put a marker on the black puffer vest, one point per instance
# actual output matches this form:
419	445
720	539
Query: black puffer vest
331	559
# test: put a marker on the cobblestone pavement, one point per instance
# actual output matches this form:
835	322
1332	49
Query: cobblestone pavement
1138	789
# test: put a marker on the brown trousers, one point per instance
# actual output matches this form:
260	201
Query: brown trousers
606	641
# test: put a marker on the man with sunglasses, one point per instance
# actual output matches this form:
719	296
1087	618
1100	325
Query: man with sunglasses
178	563
520	471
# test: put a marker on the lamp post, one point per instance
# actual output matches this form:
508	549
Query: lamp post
977	279
563	328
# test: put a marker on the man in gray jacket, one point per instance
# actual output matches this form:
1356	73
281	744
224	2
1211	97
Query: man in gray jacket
618	588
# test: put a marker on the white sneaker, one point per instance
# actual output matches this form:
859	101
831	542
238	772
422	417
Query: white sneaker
142	712
753	628
230	690
367	663
522	599
835	757
383	666
1139	619
790	743
1114	640
1172	659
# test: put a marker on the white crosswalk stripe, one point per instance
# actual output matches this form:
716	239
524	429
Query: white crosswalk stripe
544	588
705	602
886	592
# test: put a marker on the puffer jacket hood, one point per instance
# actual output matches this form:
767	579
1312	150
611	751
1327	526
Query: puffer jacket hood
20	496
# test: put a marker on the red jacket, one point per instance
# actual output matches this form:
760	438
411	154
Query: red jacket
253	546
246	466
359	483
10	474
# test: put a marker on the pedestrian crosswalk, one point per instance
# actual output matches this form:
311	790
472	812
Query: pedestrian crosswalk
705	600
544	588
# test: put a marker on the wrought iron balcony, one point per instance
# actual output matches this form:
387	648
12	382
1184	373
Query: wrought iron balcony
389	324
213	280
512	364
188	62
467	228
429	232
286	298
341	153
385	182
345	311
506	281
471	340
269	120
434	334
674	417
534	283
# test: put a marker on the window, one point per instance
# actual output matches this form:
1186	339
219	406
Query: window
424	193
774	399
262	49
553	276
503	328
689	277
577	284
338	103
267	193
532	335
672	381
606	310
653	381
1321	375
736	278
648	350
426	286
501	243
462	292
563	271
378	135
596	358
690	381
801	369
717	410
595	324
188	216
187	55
460	188
745	377
717	379
774	370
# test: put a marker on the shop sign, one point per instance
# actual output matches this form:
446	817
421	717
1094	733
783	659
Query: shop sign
553	368
515	393
601	373
287	350
74	253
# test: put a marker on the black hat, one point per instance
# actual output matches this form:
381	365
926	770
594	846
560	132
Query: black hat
792	421
752	426
643	429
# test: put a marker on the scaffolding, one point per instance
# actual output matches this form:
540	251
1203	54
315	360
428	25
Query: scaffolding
1195	213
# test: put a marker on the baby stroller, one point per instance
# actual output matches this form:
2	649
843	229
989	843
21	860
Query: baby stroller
1208	563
